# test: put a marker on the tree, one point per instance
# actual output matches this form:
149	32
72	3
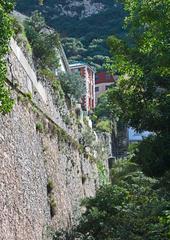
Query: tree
73	85
131	208
6	103
153	155
142	92
44	41
93	53
106	118
105	108
143	65
73	47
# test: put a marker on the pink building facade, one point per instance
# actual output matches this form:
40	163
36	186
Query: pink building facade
88	74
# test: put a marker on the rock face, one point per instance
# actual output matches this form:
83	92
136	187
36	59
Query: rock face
29	160
82	19
70	8
23	200
82	9
44	174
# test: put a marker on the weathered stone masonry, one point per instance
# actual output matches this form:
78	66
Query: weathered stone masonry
30	159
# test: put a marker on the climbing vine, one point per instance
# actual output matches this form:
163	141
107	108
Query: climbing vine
6	7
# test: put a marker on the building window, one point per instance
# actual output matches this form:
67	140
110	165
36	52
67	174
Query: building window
96	89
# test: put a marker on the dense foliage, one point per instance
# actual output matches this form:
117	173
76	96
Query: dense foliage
103	116
45	45
143	90
98	25
94	53
153	154
128	209
133	207
105	108
43	41
6	7
86	41
73	85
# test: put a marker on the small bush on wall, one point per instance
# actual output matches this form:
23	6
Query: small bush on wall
39	127
51	199
6	103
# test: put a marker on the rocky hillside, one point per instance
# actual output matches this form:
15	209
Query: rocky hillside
92	18
80	9
80	23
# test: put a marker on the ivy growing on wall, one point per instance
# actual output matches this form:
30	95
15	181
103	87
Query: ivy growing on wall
6	7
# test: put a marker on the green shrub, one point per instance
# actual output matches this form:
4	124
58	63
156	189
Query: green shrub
43	42
50	186
40	127
51	199
57	88
28	95
47	73
50	75
153	155
88	138
53	205
66	119
104	126
20	98
17	27
130	209
6	102
72	84
25	98
103	179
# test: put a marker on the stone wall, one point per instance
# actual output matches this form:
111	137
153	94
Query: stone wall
22	76
30	159
44	173
24	209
